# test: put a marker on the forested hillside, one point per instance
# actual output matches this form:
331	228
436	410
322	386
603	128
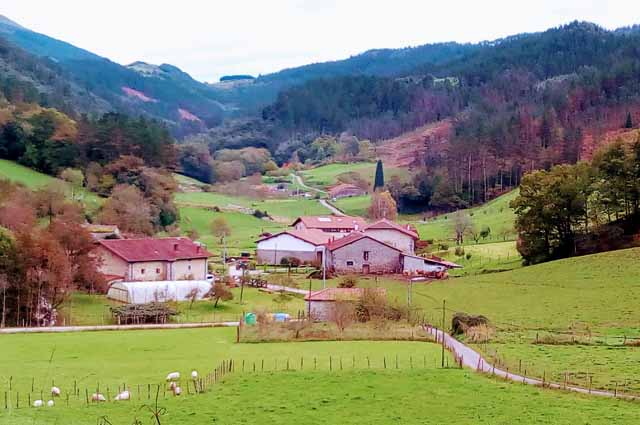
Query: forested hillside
518	104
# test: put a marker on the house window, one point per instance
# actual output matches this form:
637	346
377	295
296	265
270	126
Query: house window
366	256
141	271
157	271
349	263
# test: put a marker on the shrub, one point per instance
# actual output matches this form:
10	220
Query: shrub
459	251
468	256
443	247
260	214
290	261
348	282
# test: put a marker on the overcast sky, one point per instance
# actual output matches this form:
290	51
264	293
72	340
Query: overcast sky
211	38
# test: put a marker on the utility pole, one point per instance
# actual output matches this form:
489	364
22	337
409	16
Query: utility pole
409	290
324	267
442	330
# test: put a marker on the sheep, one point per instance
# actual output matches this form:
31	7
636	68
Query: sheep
177	391
55	391
194	375
124	395
97	397
50	403
38	403
173	376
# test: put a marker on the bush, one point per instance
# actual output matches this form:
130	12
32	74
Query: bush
260	214
290	261
348	282
468	256
443	247
459	251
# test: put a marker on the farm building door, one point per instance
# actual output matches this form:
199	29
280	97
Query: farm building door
365	269
319	257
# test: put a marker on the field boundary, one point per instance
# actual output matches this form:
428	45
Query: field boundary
469	357
62	329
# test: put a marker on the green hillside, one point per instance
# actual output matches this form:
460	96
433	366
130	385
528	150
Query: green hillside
326	175
20	174
495	214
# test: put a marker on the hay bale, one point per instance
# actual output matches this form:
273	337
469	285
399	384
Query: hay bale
461	322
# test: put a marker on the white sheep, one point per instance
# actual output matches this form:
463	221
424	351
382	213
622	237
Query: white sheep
177	391
194	375
55	391
173	376
124	395
38	403
50	403
97	397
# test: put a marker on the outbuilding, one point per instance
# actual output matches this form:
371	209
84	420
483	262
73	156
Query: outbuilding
306	245
159	291
394	234
320	304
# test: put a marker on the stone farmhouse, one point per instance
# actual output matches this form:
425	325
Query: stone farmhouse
152	259
350	245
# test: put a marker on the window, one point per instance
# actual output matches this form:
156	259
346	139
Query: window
366	256
141	271
157	271
349	263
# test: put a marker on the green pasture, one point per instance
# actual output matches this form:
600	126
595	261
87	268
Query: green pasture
356	205
88	310
245	229
495	214
357	389
326	175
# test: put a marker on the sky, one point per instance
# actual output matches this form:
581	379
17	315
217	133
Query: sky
209	39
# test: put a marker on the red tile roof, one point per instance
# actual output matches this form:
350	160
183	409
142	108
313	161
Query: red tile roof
151	249
342	294
331	222
390	225
354	237
313	236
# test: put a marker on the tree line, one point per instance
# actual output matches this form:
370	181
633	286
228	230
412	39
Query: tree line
581	208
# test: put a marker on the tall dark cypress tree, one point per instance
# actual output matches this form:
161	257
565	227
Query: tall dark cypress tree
628	123
378	182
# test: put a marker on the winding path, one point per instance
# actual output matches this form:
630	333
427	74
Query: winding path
474	360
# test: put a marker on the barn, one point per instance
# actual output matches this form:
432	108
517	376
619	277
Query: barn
345	191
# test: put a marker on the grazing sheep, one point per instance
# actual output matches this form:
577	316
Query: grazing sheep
194	375
173	376
177	391
55	391
38	403
50	403
97	397
124	395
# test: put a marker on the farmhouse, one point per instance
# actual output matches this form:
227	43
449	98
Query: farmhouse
305	245
331	224
153	259
345	191
401	237
361	253
320	304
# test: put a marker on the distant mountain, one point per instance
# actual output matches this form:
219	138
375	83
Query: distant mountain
168	94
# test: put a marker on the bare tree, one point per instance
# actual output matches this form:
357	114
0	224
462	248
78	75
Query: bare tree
218	292
461	225
342	313
220	228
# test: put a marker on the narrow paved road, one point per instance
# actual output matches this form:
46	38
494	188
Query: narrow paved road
287	289
333	209
474	360
301	183
60	329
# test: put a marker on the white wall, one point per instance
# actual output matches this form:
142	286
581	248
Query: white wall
286	242
394	238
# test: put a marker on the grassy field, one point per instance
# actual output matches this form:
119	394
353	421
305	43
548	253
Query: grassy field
495	214
326	175
484	258
356	205
583	307
289	208
83	309
245	228
361	391
35	180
